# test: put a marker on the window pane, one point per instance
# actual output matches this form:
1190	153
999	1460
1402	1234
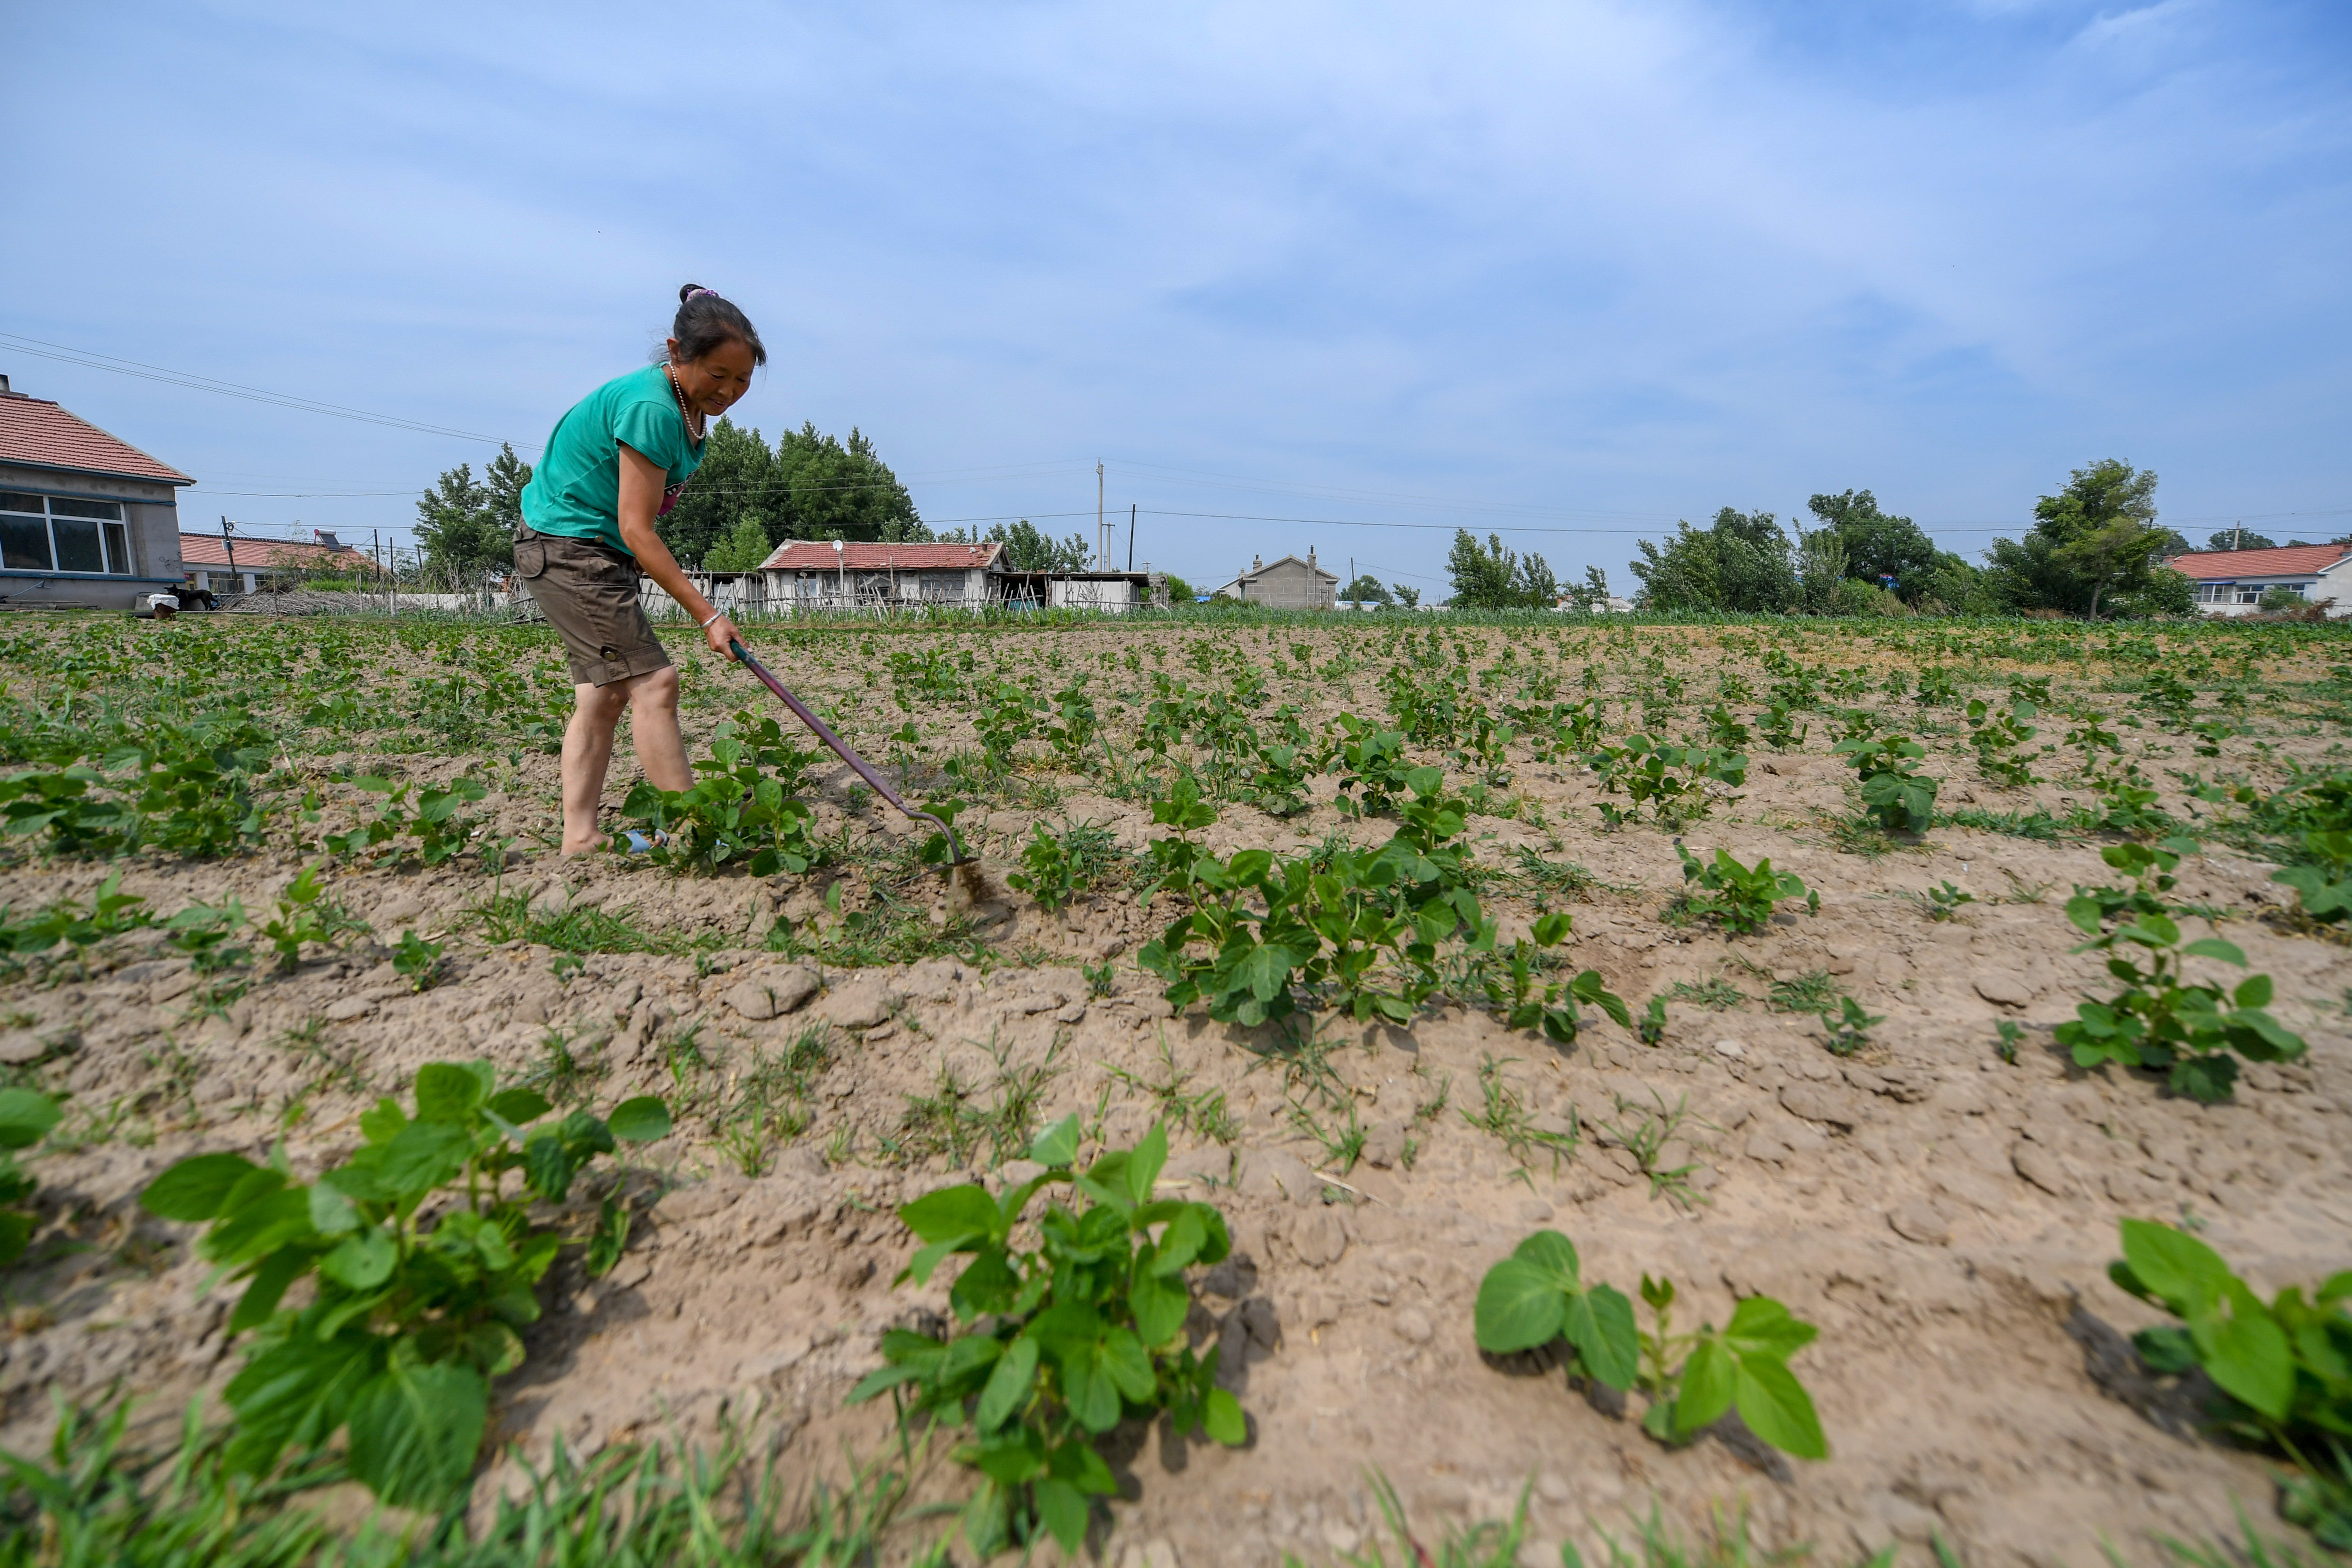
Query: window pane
117	549
77	548
110	510
15	500
25	543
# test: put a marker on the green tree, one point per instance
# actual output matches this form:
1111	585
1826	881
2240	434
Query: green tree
1366	590
456	532
1027	548
1822	564
1496	578
821	487
503	480
1877	545
742	551
1740	563
2095	540
730	486
2239	539
1409	598
1180	592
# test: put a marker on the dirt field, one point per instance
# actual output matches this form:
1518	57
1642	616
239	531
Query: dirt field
837	1042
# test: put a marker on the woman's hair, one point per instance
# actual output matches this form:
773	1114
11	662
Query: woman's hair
704	322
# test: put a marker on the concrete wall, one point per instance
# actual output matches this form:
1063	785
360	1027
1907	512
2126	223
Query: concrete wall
152	513
2335	584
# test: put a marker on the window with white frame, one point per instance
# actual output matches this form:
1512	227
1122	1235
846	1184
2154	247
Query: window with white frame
2216	592
61	533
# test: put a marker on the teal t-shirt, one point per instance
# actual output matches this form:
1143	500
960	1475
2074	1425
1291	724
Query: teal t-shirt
575	489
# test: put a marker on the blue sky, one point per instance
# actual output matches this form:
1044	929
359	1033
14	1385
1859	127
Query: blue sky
1577	268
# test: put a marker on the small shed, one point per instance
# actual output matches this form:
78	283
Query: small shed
1289	583
87	520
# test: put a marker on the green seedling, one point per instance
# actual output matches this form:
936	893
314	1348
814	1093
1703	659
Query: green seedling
1537	1297
406	1325
203	931
2009	1036
417	961
1849	1028
2283	1367
1894	790
2323	887
2160	1020
1998	735
1651	1027
1059	1336
26	1117
1942	902
305	914
1737	898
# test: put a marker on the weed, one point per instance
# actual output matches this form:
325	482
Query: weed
1503	1116
1204	1113
1342	1145
1716	995
1647	1137
1940	903
26	1117
306	914
2009	1034
1651	1027
1810	992
1062	1339
1102	979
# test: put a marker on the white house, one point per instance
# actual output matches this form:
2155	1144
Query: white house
2232	581
87	520
820	575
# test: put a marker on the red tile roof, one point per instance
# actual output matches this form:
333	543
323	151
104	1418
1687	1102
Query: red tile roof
816	555
256	554
35	431
2287	561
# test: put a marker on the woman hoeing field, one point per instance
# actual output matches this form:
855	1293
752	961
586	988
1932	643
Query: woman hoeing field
616	462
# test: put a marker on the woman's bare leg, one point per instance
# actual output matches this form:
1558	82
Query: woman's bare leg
651	701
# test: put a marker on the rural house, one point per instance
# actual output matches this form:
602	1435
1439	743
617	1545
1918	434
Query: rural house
2232	581
241	563
1289	584
86	521
816	574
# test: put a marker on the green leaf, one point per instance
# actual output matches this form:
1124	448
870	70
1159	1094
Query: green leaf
644	1120
447	1093
1710	1379
16	1235
2183	1271
1761	1326
2207	1080
415	1430
548	1166
1776	1408
2246	1352
1143	1164
951	1214
26	1117
361	1262
1221	1419
1158	1304
1008	1386
1063	1507
2214	947
1520	1305
295	1394
1599	1323
193	1189
520	1105
418	1158
1058	1144
1552	1251
2254	991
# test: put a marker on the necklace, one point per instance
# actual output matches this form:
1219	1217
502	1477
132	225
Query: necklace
693	424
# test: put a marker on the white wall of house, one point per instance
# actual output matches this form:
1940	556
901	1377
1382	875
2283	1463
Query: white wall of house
149	519
2243	595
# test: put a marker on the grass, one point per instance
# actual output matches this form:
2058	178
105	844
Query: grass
1716	994
1503	1116
508	917
953	1122
2036	825
1645	1138
94	1499
1808	992
1204	1113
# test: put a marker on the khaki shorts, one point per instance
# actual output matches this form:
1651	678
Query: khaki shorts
588	593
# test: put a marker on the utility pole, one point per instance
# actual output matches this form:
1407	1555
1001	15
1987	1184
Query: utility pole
2240	542
230	545
1102	530
1130	536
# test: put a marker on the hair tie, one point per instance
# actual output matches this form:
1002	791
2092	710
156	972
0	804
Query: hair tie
698	293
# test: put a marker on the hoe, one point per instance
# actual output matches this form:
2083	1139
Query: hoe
966	866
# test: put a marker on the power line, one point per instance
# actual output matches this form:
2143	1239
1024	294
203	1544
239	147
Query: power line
41	349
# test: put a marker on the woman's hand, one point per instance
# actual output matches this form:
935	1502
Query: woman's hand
718	633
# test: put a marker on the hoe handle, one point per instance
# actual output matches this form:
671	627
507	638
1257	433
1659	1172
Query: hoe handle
824	731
